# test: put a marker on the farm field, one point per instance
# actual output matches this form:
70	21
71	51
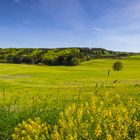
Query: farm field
28	91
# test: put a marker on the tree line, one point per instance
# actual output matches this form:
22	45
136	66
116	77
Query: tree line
57	56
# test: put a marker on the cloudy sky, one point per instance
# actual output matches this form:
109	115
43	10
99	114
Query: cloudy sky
110	24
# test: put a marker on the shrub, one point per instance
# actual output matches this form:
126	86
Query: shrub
117	66
75	62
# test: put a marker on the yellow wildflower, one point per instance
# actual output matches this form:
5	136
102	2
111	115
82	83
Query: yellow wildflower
109	137
98	130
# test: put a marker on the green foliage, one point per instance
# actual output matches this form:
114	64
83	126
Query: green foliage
135	57
117	66
75	61
59	56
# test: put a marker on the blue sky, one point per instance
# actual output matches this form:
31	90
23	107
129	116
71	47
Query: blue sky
110	24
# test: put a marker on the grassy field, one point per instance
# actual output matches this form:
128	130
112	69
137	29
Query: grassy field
28	91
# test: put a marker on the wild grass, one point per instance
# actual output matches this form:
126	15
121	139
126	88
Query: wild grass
28	91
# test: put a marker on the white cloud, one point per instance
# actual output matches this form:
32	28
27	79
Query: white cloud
97	29
124	16
66	12
122	28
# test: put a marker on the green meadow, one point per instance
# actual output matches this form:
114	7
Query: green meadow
28	91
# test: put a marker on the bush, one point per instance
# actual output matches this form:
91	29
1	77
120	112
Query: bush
75	62
117	66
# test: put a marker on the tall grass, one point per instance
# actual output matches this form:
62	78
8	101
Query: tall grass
28	91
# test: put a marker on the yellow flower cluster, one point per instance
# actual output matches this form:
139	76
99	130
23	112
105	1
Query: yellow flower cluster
31	130
106	116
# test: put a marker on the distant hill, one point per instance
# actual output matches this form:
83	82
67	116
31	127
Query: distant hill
57	56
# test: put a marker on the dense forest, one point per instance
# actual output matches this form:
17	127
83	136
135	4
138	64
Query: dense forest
58	56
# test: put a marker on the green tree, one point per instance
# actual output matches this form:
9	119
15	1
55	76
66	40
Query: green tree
117	66
75	61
